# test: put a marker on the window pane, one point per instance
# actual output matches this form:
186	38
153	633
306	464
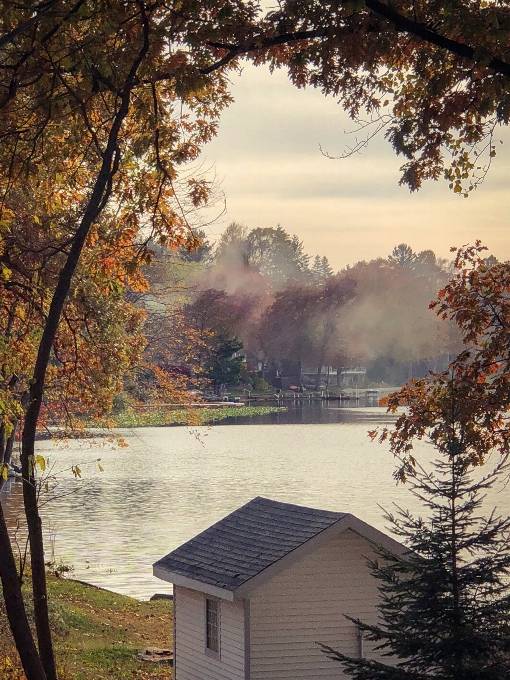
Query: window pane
212	625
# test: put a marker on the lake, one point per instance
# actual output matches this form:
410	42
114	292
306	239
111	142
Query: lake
170	483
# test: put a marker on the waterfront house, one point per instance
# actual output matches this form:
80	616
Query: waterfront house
256	592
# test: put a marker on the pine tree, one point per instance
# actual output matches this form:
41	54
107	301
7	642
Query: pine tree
445	607
403	255
320	269
327	271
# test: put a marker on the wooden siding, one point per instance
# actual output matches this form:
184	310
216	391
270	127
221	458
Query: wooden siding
192	662
305	604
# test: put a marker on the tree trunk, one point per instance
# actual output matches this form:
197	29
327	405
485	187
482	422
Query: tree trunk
10	444
39	590
6	447
15	608
98	200
3	443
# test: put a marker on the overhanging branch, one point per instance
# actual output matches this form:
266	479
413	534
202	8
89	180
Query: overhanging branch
401	23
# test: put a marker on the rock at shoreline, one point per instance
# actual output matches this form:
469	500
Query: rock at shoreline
156	655
161	596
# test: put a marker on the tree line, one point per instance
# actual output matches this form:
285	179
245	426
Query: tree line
256	294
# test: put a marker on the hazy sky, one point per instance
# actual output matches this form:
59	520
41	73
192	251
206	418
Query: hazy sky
268	158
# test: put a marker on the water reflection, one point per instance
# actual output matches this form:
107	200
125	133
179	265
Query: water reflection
304	411
169	484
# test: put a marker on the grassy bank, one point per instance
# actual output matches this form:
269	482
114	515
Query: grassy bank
196	416
98	634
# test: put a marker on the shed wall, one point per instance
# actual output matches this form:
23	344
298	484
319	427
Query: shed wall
305	604
192	662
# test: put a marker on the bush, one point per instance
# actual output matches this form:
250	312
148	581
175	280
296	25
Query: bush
259	384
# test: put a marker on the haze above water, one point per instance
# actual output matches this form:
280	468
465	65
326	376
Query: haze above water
170	483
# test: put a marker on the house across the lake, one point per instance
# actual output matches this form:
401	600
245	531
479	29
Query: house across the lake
256	592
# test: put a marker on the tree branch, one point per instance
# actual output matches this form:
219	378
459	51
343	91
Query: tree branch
401	23
39	12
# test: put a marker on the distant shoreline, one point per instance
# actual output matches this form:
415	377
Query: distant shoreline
159	417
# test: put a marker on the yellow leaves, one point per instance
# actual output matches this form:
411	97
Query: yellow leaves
4	471
41	462
5	225
38	461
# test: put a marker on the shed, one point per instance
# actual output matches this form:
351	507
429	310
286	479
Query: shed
256	592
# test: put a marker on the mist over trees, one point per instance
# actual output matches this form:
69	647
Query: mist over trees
283	312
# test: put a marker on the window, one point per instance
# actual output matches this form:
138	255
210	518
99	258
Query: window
212	625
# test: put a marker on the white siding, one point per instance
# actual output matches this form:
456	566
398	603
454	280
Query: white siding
191	660
304	605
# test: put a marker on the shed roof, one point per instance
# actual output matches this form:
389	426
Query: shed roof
228	559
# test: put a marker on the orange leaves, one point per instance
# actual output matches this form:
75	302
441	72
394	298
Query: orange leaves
98	338
199	190
464	410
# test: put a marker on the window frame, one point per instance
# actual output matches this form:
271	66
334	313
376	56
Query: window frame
210	651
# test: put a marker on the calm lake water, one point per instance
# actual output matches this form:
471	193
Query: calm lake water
168	484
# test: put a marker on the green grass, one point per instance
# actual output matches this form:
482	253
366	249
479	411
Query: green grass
97	634
196	416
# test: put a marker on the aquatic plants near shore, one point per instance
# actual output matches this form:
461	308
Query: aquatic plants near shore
202	416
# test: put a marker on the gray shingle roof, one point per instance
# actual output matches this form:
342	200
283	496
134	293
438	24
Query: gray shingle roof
246	542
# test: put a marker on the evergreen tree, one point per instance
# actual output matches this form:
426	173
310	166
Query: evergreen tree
403	255
320	269
445	607
301	259
224	366
327	271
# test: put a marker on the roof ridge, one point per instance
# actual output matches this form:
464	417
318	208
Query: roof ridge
247	541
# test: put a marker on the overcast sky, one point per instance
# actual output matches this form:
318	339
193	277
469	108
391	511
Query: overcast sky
268	158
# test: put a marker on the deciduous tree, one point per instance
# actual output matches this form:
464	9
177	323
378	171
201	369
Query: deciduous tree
477	299
70	75
433	77
123	93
